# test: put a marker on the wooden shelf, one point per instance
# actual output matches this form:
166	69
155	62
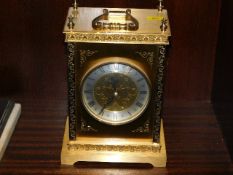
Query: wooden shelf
195	144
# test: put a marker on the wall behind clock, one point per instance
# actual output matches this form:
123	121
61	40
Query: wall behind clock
223	74
32	61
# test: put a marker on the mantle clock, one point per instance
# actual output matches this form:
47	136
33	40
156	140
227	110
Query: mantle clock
116	69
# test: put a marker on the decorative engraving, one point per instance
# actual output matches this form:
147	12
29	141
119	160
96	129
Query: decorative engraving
114	148
148	56
159	93
71	23
116	38
145	128
163	26
71	91
84	54
85	127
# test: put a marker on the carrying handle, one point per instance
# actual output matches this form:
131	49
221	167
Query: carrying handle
115	20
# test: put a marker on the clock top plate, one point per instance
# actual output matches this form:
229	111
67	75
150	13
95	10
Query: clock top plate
149	27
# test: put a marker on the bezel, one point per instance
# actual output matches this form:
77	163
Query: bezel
132	64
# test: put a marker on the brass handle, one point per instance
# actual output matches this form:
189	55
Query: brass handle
115	20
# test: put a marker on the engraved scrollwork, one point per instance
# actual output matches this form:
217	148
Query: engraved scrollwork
148	56
85	127
159	92
116	38
84	54
145	128
71	92
114	148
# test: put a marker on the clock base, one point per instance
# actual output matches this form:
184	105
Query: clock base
114	150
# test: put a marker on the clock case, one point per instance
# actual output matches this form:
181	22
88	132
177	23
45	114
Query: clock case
147	44
148	124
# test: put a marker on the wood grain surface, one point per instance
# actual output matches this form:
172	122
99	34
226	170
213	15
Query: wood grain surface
194	143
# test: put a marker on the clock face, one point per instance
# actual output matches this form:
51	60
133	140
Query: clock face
115	93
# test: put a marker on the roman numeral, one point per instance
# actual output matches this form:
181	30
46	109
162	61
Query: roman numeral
91	103
89	78
101	112
88	91
102	70
143	92
141	79
139	104
114	116
116	66
129	70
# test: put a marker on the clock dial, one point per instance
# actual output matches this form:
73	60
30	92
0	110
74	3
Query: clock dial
115	93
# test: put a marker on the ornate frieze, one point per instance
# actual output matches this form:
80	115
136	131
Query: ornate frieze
115	148
116	38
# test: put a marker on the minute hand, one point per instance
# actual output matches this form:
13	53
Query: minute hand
114	82
109	101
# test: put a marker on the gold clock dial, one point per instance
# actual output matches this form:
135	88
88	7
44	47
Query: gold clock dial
115	93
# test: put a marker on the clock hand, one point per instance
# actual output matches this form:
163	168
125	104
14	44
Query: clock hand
109	101
114	82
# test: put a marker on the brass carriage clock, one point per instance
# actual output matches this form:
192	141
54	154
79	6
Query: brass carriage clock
116	66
